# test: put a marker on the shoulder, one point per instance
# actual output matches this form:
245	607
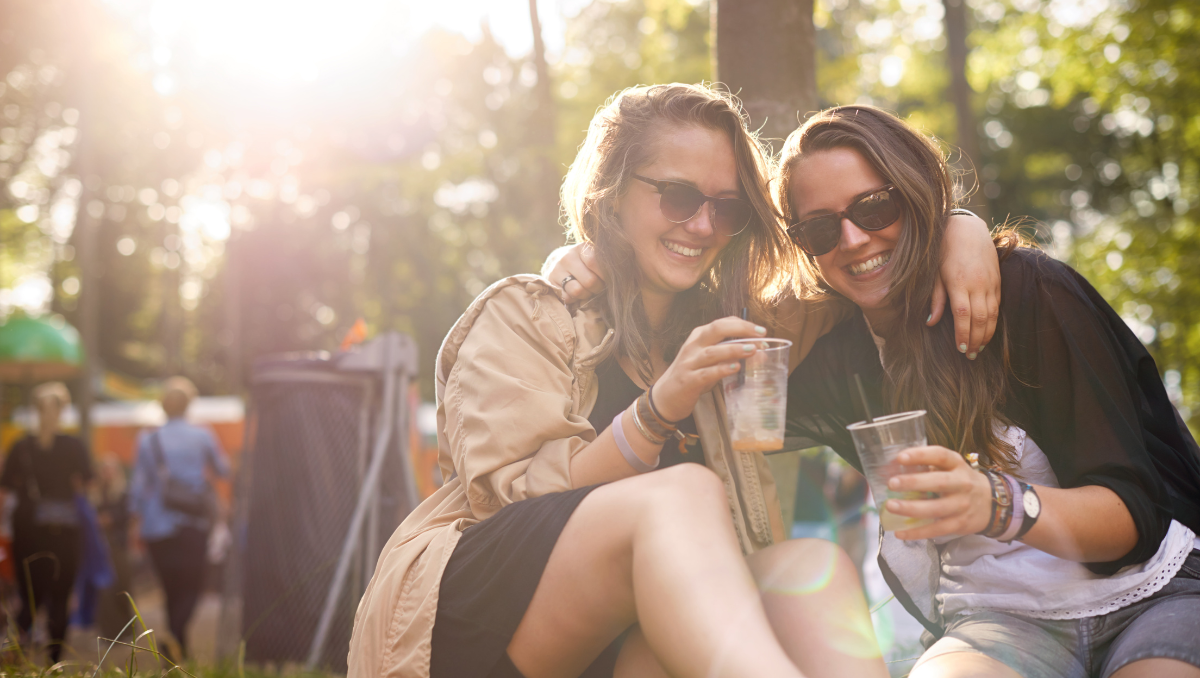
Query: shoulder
1029	276
528	305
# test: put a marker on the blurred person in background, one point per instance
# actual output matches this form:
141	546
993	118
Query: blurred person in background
46	471
172	504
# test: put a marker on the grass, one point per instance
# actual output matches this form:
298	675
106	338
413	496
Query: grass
146	658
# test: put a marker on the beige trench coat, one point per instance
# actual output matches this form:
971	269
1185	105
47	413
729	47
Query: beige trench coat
519	349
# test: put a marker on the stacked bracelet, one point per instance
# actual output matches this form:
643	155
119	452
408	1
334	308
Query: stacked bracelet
1002	506
626	450
1018	510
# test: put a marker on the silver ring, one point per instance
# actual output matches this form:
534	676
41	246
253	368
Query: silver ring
566	280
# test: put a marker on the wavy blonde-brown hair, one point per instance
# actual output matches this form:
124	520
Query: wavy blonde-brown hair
963	400
750	271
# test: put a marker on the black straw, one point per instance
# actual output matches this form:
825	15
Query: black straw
862	393
742	372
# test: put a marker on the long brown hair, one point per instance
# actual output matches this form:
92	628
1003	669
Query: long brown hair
963	400
754	266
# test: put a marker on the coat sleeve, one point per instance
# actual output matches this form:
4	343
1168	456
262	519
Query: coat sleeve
804	321
1075	381
509	401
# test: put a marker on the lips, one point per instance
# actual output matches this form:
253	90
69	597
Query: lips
870	265
680	249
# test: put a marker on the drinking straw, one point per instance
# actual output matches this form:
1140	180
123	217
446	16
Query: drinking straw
742	372
862	394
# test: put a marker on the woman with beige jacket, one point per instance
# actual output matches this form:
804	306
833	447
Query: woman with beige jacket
551	550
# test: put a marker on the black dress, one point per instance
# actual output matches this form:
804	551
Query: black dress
45	557
497	564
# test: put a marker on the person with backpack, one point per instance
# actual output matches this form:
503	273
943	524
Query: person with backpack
172	503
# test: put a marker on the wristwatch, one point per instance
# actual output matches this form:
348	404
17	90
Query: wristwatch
1032	504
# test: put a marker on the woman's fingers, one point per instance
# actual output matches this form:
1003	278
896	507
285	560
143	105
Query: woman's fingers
931	455
960	307
941	482
940	528
938	303
721	329
577	272
940	507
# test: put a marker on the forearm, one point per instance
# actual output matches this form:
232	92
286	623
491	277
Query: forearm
602	461
1084	524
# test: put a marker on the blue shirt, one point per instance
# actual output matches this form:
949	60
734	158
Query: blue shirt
187	451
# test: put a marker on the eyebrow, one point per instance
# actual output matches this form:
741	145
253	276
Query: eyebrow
860	196
688	182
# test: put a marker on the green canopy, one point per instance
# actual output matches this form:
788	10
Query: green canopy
38	349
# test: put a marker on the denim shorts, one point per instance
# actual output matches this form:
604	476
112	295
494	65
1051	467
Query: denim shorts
1165	625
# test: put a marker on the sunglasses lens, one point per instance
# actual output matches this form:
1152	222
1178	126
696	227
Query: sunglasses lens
680	202
876	211
732	216
818	235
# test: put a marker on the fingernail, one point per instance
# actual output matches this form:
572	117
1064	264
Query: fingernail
971	355
748	348
962	348
929	318
983	347
733	366
903	458
760	329
893	505
894	484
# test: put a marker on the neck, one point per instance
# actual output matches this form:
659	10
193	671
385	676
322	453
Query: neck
883	320
46	436
657	305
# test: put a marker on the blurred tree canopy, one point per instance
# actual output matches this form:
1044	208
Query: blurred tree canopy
234	219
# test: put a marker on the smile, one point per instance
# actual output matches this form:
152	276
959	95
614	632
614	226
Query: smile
680	249
870	265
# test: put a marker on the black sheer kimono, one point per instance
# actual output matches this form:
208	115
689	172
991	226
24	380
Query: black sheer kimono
1084	388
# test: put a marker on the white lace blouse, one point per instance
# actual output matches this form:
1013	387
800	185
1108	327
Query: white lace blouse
982	573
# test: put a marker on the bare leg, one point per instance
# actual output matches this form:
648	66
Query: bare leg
1158	667
963	665
658	550
815	607
815	604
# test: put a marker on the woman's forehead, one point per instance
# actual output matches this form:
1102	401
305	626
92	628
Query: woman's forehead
699	156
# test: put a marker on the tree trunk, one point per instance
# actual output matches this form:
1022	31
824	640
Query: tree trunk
542	127
961	94
765	52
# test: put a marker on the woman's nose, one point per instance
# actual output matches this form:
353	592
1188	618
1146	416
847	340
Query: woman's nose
852	236
701	225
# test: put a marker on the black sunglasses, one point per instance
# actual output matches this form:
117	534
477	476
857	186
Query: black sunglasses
679	203
874	211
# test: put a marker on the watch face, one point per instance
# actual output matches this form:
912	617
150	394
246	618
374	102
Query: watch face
1033	505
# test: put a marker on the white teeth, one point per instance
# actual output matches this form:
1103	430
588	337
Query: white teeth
870	264
680	249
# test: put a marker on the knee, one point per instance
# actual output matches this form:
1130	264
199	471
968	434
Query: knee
690	485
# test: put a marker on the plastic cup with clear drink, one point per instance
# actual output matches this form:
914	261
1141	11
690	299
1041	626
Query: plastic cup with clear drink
879	443
756	397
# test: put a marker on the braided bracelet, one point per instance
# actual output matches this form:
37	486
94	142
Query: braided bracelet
649	434
651	421
1018	510
1001	506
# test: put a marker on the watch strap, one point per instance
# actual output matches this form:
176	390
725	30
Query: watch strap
1029	520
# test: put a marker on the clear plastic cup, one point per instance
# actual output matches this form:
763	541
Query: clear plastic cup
756	397
879	443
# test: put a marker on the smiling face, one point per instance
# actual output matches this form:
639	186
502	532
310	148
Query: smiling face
674	257
825	182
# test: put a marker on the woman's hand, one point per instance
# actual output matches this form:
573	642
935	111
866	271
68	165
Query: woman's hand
964	502
971	275
701	363
579	262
